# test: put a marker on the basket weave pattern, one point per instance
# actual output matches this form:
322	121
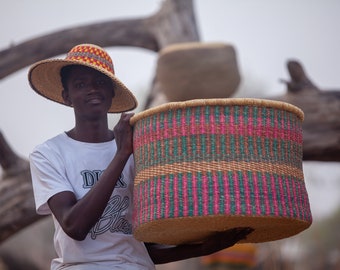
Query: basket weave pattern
219	161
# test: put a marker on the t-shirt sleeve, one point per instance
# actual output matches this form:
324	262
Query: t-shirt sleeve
48	177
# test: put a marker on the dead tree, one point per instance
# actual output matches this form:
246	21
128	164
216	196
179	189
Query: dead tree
321	127
16	196
174	23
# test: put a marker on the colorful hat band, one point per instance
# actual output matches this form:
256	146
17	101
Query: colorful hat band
91	55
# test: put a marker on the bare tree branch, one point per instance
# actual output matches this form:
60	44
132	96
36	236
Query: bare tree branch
321	127
173	23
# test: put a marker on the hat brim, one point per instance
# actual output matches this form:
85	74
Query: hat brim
44	78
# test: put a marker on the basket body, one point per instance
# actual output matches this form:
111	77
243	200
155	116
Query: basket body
202	168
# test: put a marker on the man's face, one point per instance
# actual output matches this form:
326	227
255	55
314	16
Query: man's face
88	91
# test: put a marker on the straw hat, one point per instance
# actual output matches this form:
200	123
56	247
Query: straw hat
44	76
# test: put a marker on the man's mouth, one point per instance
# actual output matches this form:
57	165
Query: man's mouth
95	100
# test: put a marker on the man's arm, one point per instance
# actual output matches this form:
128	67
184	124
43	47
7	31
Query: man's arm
77	217
164	254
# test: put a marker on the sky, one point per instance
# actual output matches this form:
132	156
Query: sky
265	34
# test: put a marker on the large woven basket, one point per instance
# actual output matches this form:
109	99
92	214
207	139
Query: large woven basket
210	165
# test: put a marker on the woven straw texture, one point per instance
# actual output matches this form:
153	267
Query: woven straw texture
210	165
196	67
44	76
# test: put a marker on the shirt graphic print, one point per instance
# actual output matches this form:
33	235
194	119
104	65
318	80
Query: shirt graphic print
113	218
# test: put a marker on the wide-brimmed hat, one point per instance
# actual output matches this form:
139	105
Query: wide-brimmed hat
44	76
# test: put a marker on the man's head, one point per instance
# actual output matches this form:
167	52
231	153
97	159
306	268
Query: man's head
45	76
87	90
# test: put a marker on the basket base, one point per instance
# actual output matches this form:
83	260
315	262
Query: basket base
186	230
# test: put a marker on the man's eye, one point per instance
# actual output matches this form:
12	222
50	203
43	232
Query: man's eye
80	85
102	82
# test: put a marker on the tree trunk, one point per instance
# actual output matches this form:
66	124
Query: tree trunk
17	209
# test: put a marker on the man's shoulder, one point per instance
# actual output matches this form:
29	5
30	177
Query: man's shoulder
52	143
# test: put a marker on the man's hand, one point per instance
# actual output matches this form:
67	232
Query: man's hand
225	239
123	133
220	240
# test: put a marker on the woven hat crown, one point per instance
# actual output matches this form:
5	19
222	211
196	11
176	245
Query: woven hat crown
91	55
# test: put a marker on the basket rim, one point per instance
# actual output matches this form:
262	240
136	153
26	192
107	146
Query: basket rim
218	102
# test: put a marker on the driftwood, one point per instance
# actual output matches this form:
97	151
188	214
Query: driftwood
16	196
173	23
321	127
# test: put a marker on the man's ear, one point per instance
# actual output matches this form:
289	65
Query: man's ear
66	97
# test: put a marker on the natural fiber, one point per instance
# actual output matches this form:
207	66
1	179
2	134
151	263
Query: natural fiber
197	69
44	76
209	165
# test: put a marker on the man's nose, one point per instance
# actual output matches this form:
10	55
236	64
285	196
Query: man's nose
93	86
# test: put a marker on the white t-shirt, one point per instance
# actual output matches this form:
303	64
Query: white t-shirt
63	164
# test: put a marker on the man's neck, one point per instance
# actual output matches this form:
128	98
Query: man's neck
93	132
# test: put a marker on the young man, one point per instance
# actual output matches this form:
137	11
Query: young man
84	177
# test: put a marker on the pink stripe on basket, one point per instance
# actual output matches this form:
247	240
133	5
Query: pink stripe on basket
194	194
227	205
159	199
294	199
166	197
237	200
185	194
216	194
300	201
151	199
247	192
202	122
175	196
174	126
256	194
282	197
265	191
289	199
166	133
184	124
212	120
231	127
274	195
143	202
192	124
205	195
